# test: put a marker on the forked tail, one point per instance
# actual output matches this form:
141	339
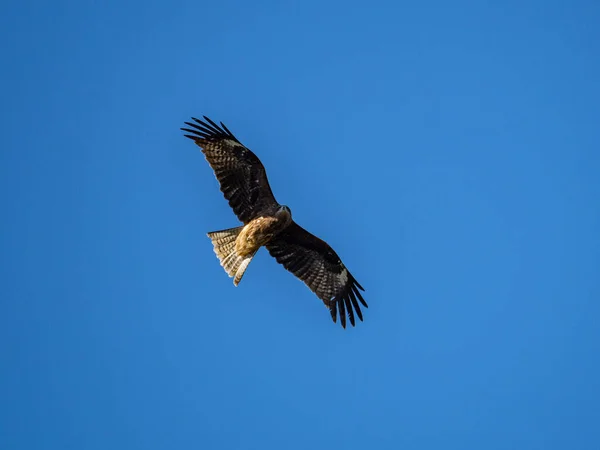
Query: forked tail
224	245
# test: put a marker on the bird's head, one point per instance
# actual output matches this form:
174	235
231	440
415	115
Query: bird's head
285	212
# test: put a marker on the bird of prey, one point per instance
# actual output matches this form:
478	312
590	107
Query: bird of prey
266	223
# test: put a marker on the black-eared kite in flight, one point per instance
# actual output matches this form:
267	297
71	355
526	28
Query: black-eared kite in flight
266	223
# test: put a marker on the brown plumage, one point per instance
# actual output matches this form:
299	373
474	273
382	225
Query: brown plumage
243	181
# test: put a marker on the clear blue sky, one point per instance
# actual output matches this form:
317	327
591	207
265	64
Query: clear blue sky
448	151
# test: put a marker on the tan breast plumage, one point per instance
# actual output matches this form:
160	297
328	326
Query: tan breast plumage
256	233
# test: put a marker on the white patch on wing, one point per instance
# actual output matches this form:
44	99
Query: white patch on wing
344	277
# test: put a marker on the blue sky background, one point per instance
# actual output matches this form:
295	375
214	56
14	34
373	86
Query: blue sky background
448	151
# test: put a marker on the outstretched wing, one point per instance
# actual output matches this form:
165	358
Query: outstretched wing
240	173
314	262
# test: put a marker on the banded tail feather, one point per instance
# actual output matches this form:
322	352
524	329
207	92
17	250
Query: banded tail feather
224	245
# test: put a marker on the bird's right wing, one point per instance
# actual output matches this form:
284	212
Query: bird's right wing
313	261
241	175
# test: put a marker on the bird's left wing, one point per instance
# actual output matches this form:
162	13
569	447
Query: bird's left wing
313	261
240	173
